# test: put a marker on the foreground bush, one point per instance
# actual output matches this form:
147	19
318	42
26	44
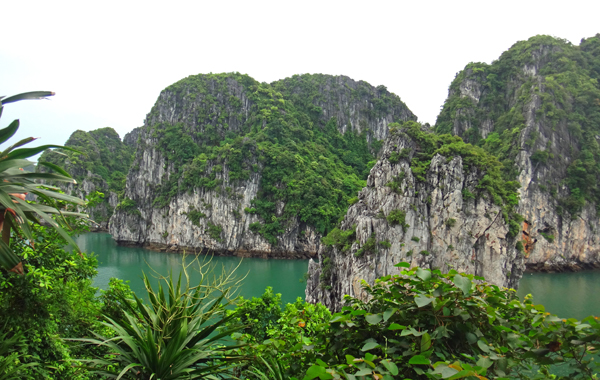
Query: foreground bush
423	324
174	336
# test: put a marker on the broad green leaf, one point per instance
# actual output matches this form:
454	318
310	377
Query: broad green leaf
483	346
484	362
350	360
422	300
369	346
314	371
388	313
423	274
364	372
403	265
463	283
419	360
373	319
395	326
390	366
462	374
471	338
445	371
425	342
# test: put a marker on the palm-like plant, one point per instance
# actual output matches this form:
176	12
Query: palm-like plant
177	335
10	358
267	369
15	212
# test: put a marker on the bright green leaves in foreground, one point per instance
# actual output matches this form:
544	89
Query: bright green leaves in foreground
176	334
15	212
424	324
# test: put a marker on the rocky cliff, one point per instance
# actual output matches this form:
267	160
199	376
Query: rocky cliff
434	202
225	163
537	108
99	165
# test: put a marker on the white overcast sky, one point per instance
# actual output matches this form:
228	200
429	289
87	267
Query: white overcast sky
107	61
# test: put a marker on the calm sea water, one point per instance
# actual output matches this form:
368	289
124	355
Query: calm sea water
569	295
128	263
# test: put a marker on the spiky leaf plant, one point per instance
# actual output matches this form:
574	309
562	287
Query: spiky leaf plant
15	212
177	335
11	365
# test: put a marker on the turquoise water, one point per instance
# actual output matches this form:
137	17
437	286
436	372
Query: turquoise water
568	295
127	263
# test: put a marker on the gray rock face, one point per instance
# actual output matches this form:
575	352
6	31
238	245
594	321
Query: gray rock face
442	230
223	226
91	182
555	240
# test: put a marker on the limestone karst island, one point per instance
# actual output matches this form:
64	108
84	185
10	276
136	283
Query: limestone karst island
312	228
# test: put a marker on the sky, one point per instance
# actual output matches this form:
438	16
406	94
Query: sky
108	61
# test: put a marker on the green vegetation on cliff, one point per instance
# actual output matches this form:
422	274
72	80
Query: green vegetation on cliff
303	160
540	87
101	152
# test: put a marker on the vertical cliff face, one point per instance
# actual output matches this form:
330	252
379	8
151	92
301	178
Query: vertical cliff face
537	109
99	165
232	165
425	204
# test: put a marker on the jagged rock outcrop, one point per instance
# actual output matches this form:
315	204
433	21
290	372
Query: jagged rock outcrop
427	222
537	108
99	165
226	164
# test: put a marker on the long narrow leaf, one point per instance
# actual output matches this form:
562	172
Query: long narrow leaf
27	95
51	221
8	132
7	164
28	152
22	142
63	197
47	176
54	167
8	259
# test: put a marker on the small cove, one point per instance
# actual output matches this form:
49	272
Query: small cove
569	295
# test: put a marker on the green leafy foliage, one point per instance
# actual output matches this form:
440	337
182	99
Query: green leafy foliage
423	324
53	299
398	217
214	231
340	239
15	213
195	215
256	316
292	341
100	151
129	206
173	336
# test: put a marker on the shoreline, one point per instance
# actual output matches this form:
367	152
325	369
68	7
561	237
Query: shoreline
173	248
